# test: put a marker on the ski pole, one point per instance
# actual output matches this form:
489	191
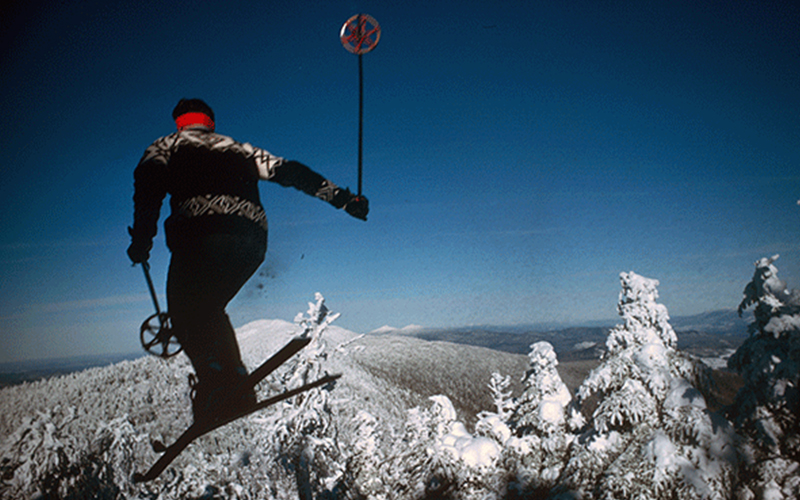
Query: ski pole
151	336
360	119
359	35
146	269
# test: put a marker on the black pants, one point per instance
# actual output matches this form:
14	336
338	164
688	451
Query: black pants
203	277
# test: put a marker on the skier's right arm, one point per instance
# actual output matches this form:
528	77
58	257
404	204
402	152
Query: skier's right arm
295	174
149	190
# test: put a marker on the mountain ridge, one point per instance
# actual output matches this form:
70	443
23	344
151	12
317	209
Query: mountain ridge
707	334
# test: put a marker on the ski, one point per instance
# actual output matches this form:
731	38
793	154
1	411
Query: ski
277	359
203	427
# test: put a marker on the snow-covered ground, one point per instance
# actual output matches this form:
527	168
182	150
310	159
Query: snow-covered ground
415	419
719	362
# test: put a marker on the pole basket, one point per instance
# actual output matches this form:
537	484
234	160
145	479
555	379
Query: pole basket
157	338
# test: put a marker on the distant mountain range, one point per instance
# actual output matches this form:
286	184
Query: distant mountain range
708	334
26	371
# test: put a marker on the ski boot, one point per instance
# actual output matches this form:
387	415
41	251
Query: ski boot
217	397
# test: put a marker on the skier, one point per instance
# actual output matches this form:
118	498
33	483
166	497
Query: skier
217	233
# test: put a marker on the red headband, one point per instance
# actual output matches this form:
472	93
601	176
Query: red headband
194	118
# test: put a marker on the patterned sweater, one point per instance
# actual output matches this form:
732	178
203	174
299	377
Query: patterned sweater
212	181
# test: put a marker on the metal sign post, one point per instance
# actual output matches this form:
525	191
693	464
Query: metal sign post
359	35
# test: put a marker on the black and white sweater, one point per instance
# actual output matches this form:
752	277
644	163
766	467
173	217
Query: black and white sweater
212	181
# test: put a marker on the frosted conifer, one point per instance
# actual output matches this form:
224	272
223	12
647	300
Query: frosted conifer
363	466
304	429
495	424
43	459
766	412
536	454
651	434
503	403
466	465
416	469
541	408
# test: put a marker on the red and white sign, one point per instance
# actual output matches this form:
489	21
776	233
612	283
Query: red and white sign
360	34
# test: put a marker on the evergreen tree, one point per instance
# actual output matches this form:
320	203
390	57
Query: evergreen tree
496	424
364	478
540	424
766	412
651	434
305	430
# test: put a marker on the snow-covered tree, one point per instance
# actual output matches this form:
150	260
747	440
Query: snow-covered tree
304	428
540	421
415	469
436	457
651	434
542	407
363	473
766	412
496	424
503	402
43	459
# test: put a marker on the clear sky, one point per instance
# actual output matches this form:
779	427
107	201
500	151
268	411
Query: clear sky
518	156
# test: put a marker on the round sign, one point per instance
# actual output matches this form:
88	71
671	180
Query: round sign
360	34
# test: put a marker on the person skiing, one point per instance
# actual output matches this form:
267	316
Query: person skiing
217	236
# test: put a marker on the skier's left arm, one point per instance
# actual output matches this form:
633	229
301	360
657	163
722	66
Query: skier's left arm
149	192
295	174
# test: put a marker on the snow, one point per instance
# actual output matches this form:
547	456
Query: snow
495	427
682	393
444	407
639	426
605	442
719	362
543	354
475	452
652	356
663	452
386	329
480	452
780	324
552	411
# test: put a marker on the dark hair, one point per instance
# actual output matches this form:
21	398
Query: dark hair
192	106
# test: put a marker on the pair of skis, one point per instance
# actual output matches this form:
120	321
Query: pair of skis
197	429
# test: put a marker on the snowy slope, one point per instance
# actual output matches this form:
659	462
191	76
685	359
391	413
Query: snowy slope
379	371
384	376
415	419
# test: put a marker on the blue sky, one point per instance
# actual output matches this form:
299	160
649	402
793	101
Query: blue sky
517	156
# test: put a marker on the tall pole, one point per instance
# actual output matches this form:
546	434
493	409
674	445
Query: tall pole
359	35
360	120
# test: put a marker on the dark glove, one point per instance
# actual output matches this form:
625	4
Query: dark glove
139	250
357	206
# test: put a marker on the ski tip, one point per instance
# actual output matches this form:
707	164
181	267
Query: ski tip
158	446
138	477
331	381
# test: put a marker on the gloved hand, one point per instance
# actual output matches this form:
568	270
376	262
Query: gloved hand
357	206
139	250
